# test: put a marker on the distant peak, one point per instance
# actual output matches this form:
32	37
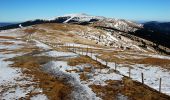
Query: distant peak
77	14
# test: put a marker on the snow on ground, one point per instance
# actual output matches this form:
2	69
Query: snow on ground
12	80
112	37
42	45
39	97
8	77
59	54
17	32
151	55
99	79
152	74
96	76
159	56
16	44
86	46
80	91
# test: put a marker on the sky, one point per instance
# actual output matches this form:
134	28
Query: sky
136	10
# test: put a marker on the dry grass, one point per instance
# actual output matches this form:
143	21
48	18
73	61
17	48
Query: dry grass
128	59
30	30
137	91
6	43
53	88
27	49
64	33
133	90
7	37
84	60
108	92
154	61
4	50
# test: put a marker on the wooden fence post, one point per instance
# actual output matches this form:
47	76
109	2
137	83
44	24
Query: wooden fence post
75	50
87	51
160	82
91	53
82	51
115	66
129	72
106	63
142	78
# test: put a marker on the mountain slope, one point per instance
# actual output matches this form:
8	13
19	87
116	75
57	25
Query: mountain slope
150	34
161	27
84	19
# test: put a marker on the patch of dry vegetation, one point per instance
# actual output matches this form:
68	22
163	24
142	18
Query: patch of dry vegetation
7	37
64	33
128	59
154	61
6	43
53	88
84	60
127	87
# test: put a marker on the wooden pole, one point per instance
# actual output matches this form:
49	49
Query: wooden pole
106	63
87	51
91	52
82	51
160	82
115	66
142	78
75	50
129	72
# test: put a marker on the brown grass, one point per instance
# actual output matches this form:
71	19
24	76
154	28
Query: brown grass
30	30
133	90
154	61
111	56
109	91
137	91
54	89
6	43
84	60
6	37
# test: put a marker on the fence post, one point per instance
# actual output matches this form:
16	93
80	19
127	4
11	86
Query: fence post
129	72
75	50
87	51
160	82
142	78
106	63
115	66
91	53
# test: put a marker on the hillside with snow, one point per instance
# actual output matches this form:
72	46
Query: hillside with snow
82	57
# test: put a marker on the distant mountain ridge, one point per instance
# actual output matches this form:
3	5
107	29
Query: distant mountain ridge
156	32
2	24
84	19
161	27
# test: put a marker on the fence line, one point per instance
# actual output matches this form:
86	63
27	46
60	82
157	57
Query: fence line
106	62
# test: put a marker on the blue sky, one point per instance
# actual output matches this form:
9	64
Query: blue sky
139	10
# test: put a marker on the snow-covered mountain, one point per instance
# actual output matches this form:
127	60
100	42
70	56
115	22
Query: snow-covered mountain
99	21
80	18
85	19
77	18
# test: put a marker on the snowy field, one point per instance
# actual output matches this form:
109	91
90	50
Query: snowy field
152	74
13	83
